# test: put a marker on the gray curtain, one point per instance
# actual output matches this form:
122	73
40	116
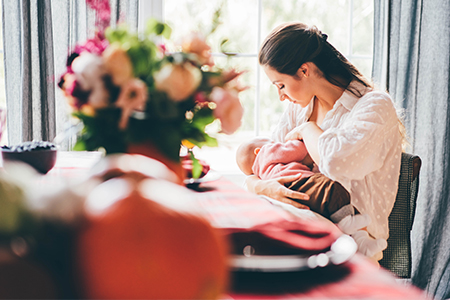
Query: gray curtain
417	65
28	52
37	37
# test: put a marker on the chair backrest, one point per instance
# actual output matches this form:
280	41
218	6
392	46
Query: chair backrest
397	256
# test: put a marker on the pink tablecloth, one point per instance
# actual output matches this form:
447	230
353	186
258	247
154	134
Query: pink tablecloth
228	205
231	208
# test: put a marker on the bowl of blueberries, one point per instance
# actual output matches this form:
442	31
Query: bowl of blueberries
40	155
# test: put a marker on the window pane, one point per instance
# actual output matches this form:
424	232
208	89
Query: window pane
239	22
363	27
330	16
364	66
271	107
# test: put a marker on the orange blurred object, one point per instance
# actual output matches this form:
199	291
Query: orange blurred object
132	247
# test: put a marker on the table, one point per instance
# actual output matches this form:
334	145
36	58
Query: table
359	278
227	205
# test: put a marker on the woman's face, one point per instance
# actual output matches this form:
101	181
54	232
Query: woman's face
289	87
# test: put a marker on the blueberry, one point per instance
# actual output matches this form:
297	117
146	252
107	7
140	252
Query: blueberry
31	146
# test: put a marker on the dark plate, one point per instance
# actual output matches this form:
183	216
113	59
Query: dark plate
341	251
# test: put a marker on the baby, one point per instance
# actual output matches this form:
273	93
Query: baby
268	160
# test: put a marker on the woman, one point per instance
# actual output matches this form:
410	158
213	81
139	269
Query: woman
351	131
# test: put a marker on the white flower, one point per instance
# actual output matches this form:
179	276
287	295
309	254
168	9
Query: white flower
89	71
179	81
196	44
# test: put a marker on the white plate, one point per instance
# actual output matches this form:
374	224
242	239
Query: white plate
341	251
210	176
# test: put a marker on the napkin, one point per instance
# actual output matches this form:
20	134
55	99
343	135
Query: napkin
284	237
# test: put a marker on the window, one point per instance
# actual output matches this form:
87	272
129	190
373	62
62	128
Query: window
348	23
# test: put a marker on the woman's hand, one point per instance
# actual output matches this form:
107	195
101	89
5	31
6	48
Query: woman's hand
309	132
275	189
295	134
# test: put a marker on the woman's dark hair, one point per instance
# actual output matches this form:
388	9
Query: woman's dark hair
290	45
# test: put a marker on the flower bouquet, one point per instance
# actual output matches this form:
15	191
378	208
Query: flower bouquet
126	89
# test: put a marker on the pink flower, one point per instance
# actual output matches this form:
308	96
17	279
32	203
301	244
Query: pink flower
196	44
89	72
72	91
229	109
200	98
162	47
103	16
133	96
118	64
178	81
225	77
94	46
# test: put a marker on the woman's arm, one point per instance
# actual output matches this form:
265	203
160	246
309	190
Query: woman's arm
309	132
359	145
275	189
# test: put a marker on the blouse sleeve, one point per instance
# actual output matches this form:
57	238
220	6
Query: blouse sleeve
291	118
359	145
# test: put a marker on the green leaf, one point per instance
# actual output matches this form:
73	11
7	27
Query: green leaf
119	34
80	146
200	139
202	118
216	21
224	44
158	28
196	166
211	142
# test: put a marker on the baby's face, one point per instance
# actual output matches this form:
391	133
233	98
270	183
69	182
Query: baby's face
246	154
256	146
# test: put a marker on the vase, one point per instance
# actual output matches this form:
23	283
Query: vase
150	150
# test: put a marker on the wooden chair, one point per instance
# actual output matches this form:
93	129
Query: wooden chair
397	256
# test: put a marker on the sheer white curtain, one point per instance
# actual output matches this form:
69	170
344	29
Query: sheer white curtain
37	37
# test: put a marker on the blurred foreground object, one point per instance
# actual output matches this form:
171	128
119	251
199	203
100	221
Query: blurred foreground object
141	239
12	206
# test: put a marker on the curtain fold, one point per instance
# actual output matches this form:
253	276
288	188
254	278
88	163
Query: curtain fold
28	70
418	65
38	35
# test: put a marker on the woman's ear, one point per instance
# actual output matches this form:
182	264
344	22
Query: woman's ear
256	151
303	71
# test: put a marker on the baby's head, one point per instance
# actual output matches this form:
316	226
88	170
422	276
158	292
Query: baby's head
247	151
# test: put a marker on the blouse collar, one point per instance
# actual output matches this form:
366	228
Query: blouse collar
347	99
